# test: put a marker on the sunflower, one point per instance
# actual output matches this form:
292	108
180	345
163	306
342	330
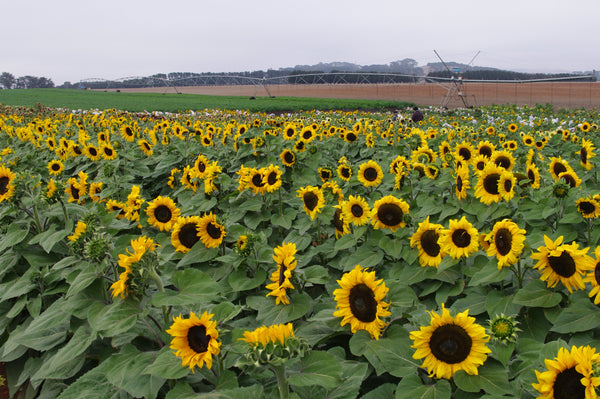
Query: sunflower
124	284
426	240
504	159
356	210
113	205
350	136
459	239
570	177
593	277
342	226
512	127
486	188
210	231
195	340
307	134
465	151
449	344
462	182
432	171
255	181
586	152
128	133
91	152
289	132
146	147
506	185
284	256
162	213
486	149
533	173
275	334
588	207
272	178
388	212
312	199
563	263
95	191
528	140
398	165
344	172
51	189
325	174
108	152
370	174
300	146
359	300
569	375
185	233
55	167
557	166
200	166
288	158
506	242
79	231
479	162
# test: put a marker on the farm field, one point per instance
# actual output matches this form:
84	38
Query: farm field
321	253
560	94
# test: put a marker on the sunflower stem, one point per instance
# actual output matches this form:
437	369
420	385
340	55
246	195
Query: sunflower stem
282	383
589	231
318	231
36	219
159	284
64	209
280	203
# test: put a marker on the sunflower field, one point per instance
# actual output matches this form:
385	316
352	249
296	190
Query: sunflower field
303	255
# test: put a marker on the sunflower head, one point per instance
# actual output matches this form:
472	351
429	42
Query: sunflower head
503	329
273	345
560	189
195	340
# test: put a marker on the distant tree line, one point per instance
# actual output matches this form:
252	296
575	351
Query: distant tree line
8	81
498	74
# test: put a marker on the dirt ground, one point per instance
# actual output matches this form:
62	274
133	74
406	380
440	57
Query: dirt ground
560	94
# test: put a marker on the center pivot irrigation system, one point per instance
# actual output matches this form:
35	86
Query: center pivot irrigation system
454	85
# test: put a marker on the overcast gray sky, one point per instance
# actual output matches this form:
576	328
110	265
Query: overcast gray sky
71	40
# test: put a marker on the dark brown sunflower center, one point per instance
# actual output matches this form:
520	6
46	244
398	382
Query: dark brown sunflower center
558	168
567	385
282	270
272	178
310	200
461	238
290	132
459	183
570	180
389	214
531	175
429	242
128	131
163	213
337	220
486	151
465	153
490	183
108	151
307	134
55	167
93	151
345	172
586	207
325	174
563	265
74	192
4	181
583	156
288	157
370	174
351	137
257	180
362	303
197	338
213	231
503	241
597	273
507	185
201	167
357	210
503	161
188	235
146	146
450	343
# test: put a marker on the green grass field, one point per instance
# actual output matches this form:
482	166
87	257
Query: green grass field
82	99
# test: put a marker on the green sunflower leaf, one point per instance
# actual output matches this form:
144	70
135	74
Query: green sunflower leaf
411	387
240	281
489	273
194	287
318	367
91	385
125	370
115	319
536	294
581	315
13	236
269	313
492	378
166	365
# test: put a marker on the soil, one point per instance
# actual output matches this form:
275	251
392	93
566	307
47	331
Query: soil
560	94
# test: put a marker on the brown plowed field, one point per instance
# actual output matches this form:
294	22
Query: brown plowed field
560	94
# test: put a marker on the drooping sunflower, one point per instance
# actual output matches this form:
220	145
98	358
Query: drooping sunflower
426	240
370	174
565	263
506	242
533	173
486	188
557	166
185	233
342	227
356	210
123	286
312	200
55	167
162	213
276	334
398	165
506	185
359	300
570	177
460	238
388	212
146	147
569	375
112	205
589	208
462	182
210	231
449	344
95	191
288	158
586	152
284	257
195	340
